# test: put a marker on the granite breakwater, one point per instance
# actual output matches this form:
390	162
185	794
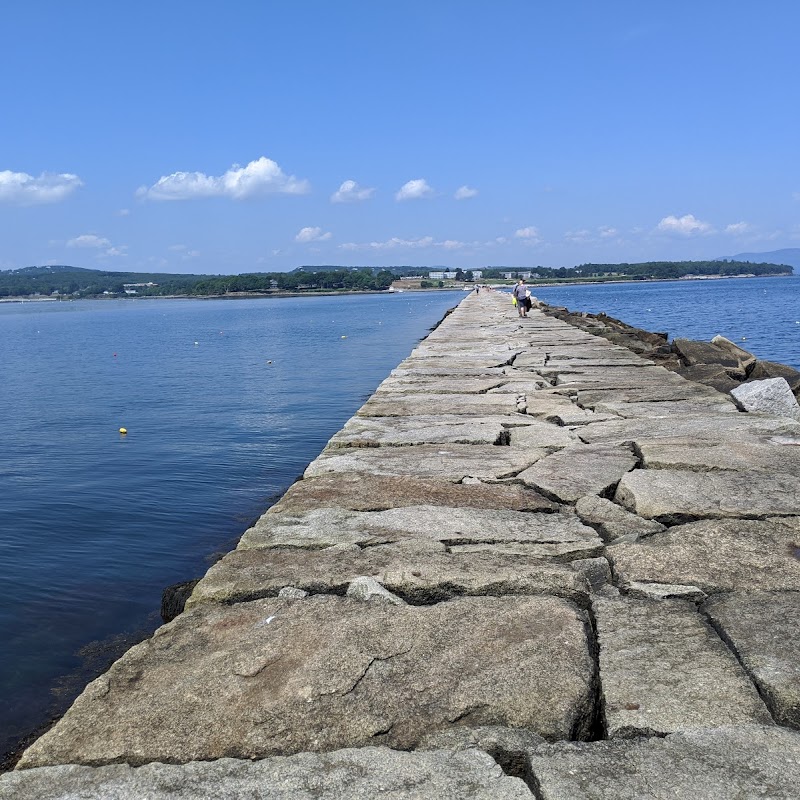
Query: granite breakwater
534	564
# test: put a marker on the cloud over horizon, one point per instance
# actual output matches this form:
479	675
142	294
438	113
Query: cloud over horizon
311	234
27	190
687	225
93	242
259	177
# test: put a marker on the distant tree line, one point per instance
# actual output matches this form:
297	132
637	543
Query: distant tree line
659	270
78	282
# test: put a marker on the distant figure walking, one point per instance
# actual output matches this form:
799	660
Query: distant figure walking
520	293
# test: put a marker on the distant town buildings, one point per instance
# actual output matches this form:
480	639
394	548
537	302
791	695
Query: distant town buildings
511	275
132	288
442	276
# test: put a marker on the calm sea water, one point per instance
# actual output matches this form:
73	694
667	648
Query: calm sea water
93	525
760	314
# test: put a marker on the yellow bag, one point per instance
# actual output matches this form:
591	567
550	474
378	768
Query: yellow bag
513	299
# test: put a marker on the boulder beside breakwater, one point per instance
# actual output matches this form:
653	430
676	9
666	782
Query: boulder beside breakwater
534	564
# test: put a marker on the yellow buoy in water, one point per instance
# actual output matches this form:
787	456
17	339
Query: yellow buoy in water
123	431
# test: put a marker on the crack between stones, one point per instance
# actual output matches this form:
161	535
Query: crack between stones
728	642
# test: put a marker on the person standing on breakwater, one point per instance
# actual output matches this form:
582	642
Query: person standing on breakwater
520	293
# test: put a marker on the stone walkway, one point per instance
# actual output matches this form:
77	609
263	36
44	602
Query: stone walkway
532	565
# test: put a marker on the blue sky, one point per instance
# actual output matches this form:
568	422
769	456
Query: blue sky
257	136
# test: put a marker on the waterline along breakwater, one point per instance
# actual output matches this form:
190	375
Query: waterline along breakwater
534	564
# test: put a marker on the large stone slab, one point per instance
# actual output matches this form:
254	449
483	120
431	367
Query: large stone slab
662	669
778	455
745	761
276	677
356	774
405	431
579	470
716	556
547	535
420	571
655	393
763	628
412	403
463	385
770	396
677	409
447	461
612	521
710	426
365	492
542	436
667	494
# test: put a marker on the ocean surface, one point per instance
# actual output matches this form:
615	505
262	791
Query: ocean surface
225	403
761	315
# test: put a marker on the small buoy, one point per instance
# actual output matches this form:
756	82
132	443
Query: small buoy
344	337
744	338
123	431
196	343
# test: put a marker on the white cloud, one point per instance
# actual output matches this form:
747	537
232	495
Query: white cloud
584	235
530	233
351	192
465	192
88	240
93	242
578	236
262	176
414	190
26	190
687	225
312	235
397	243
738	228
123	212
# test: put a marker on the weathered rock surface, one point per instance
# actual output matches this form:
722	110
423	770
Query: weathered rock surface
442	385
716	556
364	492
449	461
662	669
580	470
406	431
712	375
694	353
763	370
452	526
355	774
770	396
419	404
678	494
612	520
284	676
507	746
763	628
420	571
747	761
709	426
781	455
542	436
